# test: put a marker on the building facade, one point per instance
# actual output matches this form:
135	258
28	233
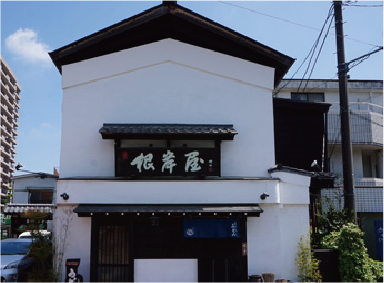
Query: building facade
31	193
167	155
10	97
366	119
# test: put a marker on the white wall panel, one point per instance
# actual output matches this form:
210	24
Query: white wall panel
167	93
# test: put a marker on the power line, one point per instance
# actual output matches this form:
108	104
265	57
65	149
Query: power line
309	89
266	15
358	5
321	47
382	33
312	51
361	59
291	22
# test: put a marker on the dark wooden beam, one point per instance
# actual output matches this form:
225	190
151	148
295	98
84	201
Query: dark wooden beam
169	2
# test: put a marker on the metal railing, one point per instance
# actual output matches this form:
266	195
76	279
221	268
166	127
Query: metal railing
360	105
366	127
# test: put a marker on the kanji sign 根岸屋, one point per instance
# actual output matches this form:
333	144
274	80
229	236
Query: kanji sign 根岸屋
180	161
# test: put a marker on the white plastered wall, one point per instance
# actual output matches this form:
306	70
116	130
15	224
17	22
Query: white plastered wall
166	82
273	237
172	82
72	239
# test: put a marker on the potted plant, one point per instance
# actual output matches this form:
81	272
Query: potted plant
307	264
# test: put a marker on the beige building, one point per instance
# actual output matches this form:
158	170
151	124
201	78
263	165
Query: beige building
10	96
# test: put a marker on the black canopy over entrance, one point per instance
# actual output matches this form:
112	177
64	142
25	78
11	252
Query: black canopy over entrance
87	210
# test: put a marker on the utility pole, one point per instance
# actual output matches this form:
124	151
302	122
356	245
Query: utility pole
346	146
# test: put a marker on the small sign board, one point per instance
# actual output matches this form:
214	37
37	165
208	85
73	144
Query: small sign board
211	228
378	226
169	161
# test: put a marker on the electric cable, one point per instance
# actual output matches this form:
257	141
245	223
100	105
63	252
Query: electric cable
358	5
266	15
290	22
318	55
311	52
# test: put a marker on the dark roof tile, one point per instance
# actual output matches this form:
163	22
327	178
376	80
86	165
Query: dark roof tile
165	131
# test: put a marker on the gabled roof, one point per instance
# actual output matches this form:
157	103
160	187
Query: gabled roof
170	20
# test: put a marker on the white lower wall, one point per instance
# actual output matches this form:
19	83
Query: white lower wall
273	238
247	190
72	239
166	270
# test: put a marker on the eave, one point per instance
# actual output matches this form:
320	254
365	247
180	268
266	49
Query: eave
177	22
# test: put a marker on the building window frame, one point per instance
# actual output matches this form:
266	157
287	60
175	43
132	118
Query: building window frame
40	196
308	96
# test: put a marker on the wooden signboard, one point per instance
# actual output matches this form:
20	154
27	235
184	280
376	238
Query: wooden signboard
167	161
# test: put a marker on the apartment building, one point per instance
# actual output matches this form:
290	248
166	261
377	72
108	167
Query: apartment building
366	120
10	97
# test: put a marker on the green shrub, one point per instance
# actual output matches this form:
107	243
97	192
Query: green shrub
354	262
377	270
330	218
330	241
307	264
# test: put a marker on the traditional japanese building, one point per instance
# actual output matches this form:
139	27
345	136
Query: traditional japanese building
167	154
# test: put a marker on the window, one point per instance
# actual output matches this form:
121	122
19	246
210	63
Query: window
371	168
40	196
309	97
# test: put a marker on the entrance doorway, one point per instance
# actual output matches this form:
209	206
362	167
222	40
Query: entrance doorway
118	242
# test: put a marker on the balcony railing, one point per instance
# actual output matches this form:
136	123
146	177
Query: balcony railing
5	173
366	127
16	112
2	162
360	105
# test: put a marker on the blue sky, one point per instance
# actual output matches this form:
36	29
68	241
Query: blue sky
30	29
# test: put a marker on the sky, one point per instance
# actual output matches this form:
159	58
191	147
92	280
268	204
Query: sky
299	29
